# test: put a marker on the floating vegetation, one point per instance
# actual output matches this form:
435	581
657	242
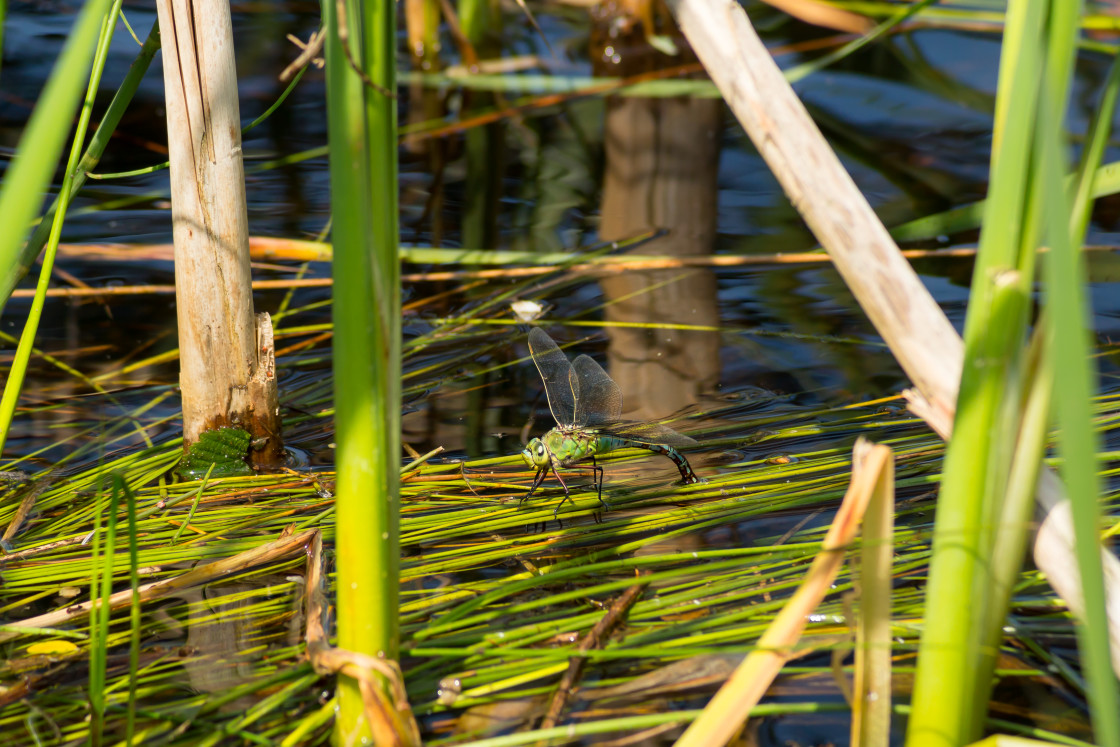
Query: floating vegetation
217	453
491	614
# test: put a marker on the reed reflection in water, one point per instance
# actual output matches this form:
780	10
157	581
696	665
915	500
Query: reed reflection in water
661	158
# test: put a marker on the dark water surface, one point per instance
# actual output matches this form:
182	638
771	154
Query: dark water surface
911	119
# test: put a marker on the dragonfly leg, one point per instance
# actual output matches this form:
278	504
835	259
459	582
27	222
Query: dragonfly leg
567	494
536	484
598	469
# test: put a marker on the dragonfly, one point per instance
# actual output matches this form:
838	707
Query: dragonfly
587	405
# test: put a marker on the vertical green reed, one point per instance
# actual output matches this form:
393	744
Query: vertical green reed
26	179
100	591
11	210
1075	383
480	21
993	457
366	307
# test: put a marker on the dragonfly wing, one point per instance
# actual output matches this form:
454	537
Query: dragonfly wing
560	383
649	433
600	399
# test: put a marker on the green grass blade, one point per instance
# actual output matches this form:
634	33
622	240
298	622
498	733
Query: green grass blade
134	607
41	142
980	453
798	72
1091	155
1074	383
97	143
14	383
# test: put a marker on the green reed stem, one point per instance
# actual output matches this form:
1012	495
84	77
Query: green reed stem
18	371
979	456
1075	379
42	141
367	368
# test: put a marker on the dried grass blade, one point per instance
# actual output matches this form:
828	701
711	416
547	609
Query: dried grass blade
267	552
593	639
871	703
731	706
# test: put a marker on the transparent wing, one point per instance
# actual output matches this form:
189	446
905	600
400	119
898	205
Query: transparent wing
649	433
560	383
600	399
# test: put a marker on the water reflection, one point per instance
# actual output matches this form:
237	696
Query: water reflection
661	158
225	633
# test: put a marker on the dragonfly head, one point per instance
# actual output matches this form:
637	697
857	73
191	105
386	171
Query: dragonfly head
536	454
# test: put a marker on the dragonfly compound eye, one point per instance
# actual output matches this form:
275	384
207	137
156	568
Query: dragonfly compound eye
534	453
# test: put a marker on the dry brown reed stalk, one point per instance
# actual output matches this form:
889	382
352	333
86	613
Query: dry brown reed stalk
261	248
40	549
514	64
25	506
724	715
919	334
226	361
165	290
307	251
466	49
594	639
827	16
308	343
420	303
604	267
310	53
286	545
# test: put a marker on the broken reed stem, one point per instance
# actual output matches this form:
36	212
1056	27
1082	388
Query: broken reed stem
279	548
594	639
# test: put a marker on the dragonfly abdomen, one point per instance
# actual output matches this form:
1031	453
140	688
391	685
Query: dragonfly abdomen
688	477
